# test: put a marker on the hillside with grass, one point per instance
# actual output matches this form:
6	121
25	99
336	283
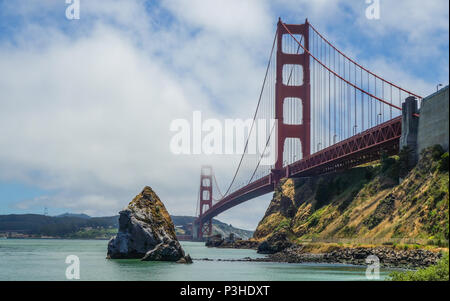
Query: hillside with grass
381	203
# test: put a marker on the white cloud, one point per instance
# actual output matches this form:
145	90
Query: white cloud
90	115
231	19
421	28
87	116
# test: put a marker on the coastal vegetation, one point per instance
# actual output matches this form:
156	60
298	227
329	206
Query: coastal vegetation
437	272
388	202
391	208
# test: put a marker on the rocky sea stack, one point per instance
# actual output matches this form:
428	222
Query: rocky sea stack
146	232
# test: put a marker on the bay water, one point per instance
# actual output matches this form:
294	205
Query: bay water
45	259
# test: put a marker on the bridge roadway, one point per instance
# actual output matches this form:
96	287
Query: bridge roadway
356	150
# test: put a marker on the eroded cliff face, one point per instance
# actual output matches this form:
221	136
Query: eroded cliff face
146	231
364	204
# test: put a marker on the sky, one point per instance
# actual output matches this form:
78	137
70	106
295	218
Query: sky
86	105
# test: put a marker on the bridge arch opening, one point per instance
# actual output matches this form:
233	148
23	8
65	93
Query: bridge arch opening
292	151
292	75
206	195
292	111
206	182
290	46
205	207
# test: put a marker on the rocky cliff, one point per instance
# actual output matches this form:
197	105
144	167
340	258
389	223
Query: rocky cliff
146	231
367	204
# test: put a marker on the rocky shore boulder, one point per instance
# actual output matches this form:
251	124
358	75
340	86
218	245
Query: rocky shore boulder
388	256
231	242
275	243
214	241
146	232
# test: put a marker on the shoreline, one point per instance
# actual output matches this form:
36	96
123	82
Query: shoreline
271	260
388	256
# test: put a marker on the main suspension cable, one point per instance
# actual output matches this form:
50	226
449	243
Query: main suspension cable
254	117
329	70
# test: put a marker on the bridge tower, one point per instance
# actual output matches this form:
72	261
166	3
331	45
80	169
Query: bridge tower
205	228
282	91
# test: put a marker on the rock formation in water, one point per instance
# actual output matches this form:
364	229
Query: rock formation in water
146	232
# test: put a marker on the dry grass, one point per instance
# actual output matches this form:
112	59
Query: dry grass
373	211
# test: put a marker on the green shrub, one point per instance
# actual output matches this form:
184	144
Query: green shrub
313	222
386	162
372	221
404	162
390	166
437	272
323	193
438	241
369	173
436	152
349	231
284	224
443	163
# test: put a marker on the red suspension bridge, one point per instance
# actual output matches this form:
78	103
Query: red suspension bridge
332	113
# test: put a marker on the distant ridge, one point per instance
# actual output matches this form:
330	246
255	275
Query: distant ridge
80	215
83	226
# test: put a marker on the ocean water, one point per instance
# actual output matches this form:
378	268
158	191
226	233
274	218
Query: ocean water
44	259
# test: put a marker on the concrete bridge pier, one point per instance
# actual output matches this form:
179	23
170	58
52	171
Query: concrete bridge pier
410	129
427	127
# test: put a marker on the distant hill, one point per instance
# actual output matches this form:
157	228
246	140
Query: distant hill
80	215
70	226
82	226
183	226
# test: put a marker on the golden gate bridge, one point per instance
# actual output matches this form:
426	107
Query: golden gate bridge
333	114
